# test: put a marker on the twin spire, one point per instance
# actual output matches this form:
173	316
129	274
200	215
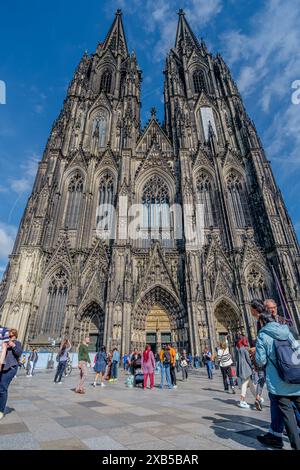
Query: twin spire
116	39
184	35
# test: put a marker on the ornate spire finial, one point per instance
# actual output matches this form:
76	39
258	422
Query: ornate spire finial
119	12
153	111
181	12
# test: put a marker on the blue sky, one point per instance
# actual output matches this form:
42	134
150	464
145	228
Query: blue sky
42	43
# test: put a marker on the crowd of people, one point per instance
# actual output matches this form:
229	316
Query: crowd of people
272	359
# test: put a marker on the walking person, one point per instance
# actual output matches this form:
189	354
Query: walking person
32	361
273	438
177	358
244	371
100	366
259	379
62	358
148	366
115	364
83	361
225	362
274	344
172	365
184	364
12	351
125	361
133	358
165	363
207	355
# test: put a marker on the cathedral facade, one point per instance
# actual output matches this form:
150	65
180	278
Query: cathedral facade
65	279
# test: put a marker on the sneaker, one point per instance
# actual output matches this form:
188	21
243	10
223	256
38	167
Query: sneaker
59	383
270	440
262	400
1	415
94	384
257	405
103	385
233	391
244	404
174	386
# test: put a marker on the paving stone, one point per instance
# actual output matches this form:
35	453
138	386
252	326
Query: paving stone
12	428
19	441
143	412
198	415
103	443
86	431
91	404
64	444
153	445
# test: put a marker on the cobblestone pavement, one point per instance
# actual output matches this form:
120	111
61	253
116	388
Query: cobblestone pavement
197	415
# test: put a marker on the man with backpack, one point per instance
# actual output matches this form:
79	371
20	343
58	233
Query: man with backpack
165	366
277	349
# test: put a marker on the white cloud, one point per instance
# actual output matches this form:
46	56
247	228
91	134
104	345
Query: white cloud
159	17
268	60
29	169
269	57
7	238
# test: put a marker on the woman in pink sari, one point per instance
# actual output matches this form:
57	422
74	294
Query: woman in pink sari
148	366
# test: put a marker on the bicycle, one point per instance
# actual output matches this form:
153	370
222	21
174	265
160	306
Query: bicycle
68	368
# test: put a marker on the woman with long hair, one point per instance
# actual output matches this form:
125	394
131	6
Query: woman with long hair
148	366
225	361
100	366
244	370
62	358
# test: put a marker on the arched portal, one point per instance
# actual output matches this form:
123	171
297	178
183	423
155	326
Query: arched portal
158	327
228	323
159	318
92	325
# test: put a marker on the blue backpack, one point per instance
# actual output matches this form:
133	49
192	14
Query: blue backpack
288	361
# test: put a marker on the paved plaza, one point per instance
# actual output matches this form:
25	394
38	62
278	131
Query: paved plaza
196	415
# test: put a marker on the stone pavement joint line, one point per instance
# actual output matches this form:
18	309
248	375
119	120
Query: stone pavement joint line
197	415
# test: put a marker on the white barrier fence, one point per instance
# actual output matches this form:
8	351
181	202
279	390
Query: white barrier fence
46	358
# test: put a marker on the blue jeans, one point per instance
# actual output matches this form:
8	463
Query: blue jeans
165	371
209	369
59	371
114	370
5	379
277	422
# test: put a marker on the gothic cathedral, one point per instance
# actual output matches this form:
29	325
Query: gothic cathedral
64	280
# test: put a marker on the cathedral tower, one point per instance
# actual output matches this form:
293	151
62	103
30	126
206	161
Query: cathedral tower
67	277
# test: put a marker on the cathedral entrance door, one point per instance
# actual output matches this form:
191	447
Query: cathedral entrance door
158	328
227	324
92	325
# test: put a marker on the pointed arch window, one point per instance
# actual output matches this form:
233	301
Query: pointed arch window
206	197
106	197
256	285
100	126
105	83
237	200
156	208
199	81
57	296
74	202
207	119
